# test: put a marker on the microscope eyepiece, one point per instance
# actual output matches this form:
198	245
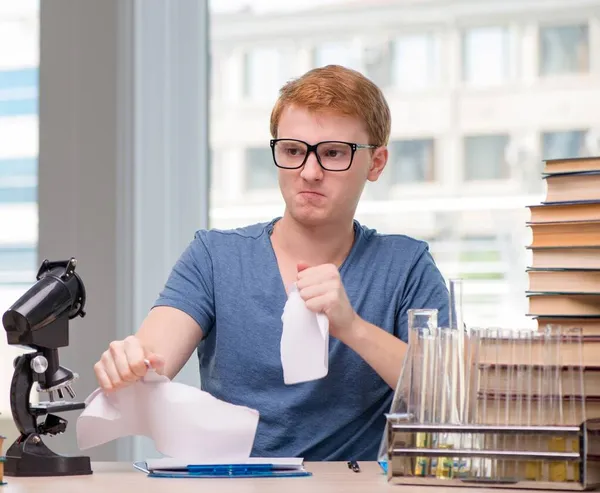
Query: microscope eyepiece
58	294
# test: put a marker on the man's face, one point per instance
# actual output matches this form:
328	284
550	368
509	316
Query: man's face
313	195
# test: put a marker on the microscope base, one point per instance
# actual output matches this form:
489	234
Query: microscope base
29	456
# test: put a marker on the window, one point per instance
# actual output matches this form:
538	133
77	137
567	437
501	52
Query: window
414	61
18	164
378	63
18	180
261	172
564	50
560	145
263	74
337	53
18	92
18	265
485	55
485	157
412	161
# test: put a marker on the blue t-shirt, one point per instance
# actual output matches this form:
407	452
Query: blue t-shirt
229	282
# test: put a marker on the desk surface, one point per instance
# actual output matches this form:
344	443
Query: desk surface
331	477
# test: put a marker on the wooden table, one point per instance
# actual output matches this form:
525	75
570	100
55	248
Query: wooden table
328	477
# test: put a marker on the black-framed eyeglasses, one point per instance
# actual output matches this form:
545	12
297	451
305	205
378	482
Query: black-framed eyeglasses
332	155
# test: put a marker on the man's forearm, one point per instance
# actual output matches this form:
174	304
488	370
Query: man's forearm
381	350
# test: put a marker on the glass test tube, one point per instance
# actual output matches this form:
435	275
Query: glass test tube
429	391
418	321
473	384
423	380
519	390
457	369
505	365
571	391
418	396
495	339
578	395
444	465
582	415
532	379
557	469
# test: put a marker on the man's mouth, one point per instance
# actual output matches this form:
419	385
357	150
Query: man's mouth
311	193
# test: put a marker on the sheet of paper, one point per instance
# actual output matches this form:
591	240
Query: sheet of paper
183	421
168	463
304	341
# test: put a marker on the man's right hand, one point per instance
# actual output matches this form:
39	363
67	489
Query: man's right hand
123	363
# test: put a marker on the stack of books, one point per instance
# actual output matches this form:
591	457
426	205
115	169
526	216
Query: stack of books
564	276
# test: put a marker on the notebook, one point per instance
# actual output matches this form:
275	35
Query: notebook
252	467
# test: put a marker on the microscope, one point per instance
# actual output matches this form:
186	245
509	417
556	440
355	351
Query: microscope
39	321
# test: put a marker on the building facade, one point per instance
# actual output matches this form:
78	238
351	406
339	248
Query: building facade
480	94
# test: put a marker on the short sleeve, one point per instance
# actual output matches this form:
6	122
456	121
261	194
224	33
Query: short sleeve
190	286
425	288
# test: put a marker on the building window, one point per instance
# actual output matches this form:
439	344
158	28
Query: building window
561	145
18	180
414	61
378	63
412	161
486	55
261	172
485	157
343	53
263	74
18	264
564	50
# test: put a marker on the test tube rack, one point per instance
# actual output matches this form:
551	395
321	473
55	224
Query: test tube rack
403	454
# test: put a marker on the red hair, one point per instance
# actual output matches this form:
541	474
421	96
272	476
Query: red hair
341	90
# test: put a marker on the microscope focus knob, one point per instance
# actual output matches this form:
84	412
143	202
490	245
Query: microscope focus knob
39	364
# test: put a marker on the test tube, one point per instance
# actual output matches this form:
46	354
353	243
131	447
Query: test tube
458	366
430	390
472	375
444	465
420	380
557	469
419	320
570	390
480	398
519	390
432	396
496	335
457	323
578	395
505	364
531	382
581	388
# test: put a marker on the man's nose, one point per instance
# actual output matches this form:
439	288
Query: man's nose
312	170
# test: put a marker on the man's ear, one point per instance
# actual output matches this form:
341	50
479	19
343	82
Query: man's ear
378	162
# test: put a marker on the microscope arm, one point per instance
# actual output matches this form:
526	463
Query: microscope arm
20	389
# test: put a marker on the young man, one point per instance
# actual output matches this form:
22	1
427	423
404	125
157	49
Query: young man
226	293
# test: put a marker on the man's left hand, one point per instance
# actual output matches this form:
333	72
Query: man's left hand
322	290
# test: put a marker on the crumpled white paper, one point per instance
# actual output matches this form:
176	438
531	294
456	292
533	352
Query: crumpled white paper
183	421
304	341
